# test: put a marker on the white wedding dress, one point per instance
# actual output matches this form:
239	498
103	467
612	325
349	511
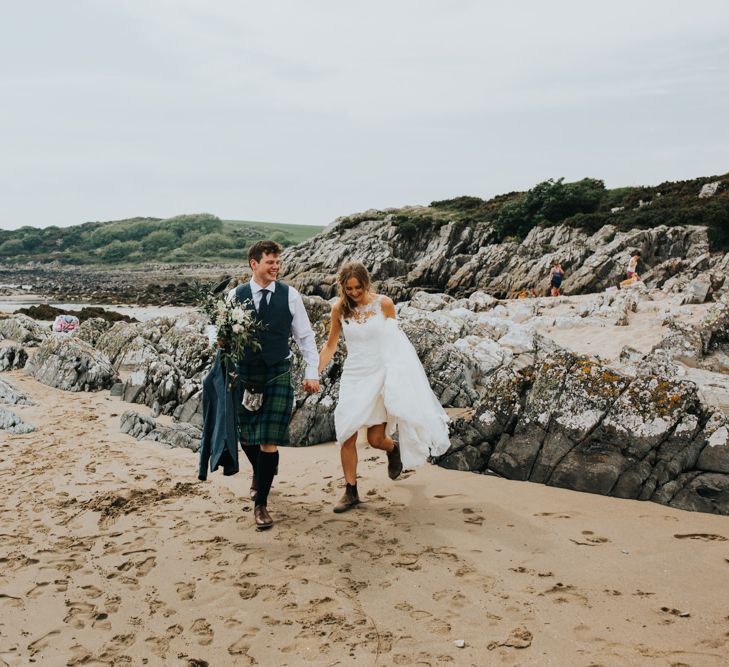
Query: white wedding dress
383	381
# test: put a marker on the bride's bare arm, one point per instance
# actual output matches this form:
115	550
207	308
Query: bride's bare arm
330	347
388	308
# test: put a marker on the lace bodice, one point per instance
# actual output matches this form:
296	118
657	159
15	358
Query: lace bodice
363	313
363	334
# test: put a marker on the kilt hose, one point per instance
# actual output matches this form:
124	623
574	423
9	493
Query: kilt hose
270	424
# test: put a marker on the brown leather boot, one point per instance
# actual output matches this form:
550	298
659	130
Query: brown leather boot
348	500
262	517
394	464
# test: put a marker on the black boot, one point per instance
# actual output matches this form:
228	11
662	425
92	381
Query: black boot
394	464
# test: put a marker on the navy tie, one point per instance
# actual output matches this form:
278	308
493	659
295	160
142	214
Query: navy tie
263	306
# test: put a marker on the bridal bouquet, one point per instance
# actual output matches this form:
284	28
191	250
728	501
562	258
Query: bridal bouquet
233	326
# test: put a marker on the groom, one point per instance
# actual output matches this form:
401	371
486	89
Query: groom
281	310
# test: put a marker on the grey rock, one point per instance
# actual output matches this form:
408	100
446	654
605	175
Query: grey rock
698	290
92	329
12	355
141	427
702	492
714	456
70	364
468	458
12	423
12	396
445	257
24	330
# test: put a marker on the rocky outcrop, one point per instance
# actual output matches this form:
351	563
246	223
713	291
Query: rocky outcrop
12	396
92	329
447	256
12	355
146	428
12	423
66	363
24	330
536	412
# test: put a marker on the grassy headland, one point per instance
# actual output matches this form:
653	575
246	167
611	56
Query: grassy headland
182	239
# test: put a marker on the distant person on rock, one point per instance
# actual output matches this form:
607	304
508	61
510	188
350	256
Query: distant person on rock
383	386
632	271
555	279
282	312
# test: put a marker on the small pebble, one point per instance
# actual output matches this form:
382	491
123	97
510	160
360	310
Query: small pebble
460	643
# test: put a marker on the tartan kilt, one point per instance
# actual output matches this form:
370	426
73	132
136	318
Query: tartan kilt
270	424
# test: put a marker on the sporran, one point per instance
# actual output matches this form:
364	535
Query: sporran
252	399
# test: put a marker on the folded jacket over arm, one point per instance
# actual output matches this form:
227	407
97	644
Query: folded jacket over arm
219	443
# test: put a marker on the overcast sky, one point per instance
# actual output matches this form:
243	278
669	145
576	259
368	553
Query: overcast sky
292	111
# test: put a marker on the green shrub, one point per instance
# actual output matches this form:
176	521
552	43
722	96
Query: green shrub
159	239
118	250
209	244
548	203
12	247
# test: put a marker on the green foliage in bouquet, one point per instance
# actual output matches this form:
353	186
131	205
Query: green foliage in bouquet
236	325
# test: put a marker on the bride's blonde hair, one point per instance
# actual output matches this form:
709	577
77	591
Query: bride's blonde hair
351	270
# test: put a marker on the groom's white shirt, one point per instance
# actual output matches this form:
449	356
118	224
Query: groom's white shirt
300	326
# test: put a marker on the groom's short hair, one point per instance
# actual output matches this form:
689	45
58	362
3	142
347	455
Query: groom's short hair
261	248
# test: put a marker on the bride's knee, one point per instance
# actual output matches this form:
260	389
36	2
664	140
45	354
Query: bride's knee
377	440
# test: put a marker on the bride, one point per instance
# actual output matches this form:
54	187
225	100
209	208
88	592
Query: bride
383	385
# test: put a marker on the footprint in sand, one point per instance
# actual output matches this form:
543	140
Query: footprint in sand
247	589
456	600
554	515
143	566
203	630
43	642
161	645
92	591
240	649
38	589
590	539
703	537
472	517
79	613
113	649
185	590
565	593
80	655
12	600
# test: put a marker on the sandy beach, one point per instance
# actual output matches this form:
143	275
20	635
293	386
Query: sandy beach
113	553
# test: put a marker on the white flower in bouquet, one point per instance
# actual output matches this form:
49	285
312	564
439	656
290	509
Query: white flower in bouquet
239	315
236	327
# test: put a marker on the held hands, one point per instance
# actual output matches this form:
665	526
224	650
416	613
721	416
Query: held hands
311	386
